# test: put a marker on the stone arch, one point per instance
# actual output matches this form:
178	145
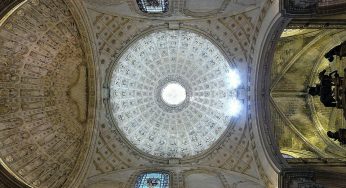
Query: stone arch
267	151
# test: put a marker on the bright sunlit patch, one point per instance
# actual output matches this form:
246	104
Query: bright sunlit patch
173	94
234	107
234	78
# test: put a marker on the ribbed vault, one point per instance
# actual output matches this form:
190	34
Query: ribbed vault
301	121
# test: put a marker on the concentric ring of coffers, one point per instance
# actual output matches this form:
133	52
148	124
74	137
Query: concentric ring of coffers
173	93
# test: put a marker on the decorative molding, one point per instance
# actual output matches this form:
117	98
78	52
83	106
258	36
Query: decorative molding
310	162
332	38
298	60
7	180
7	5
221	9
79	14
310	8
261	98
108	77
296	131
134	7
317	24
298	178
295	58
192	171
233	34
43	142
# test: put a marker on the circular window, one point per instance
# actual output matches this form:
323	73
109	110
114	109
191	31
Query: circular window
173	93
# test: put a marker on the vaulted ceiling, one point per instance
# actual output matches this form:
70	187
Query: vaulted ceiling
115	33
301	121
46	102
57	59
178	9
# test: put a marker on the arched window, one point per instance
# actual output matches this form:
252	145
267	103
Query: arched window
153	6
152	180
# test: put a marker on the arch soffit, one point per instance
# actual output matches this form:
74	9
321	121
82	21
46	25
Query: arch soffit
267	149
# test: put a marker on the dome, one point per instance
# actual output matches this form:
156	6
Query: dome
173	93
46	95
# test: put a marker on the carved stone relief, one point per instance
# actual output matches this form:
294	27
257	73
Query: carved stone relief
180	177
177	9
308	8
236	35
7	5
298	178
113	34
301	121
43	94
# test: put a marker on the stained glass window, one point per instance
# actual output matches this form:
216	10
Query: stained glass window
153	180
153	6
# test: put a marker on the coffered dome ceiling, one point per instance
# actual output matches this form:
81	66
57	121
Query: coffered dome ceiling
139	62
173	93
44	96
49	136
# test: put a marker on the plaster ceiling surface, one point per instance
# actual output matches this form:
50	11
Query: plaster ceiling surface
173	93
43	95
301	121
178	9
187	177
47	92
115	37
